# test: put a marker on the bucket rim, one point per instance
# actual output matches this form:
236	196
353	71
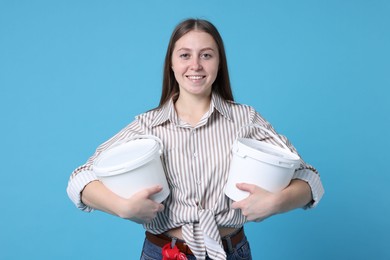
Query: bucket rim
279	156
129	165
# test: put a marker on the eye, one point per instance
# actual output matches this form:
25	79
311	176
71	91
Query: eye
206	56
184	56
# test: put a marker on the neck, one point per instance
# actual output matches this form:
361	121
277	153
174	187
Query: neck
192	109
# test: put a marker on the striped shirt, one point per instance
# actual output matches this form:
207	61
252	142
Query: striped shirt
197	161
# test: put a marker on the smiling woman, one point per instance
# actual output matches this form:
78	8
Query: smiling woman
195	63
197	122
221	85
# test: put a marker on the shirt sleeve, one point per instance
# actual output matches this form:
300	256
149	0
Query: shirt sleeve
313	179
76	185
84	174
305	172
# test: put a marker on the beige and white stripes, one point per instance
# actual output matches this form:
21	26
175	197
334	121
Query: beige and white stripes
197	160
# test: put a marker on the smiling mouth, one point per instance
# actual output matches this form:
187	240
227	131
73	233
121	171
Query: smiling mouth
195	77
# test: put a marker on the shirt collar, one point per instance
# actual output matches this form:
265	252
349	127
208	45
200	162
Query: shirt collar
221	105
168	112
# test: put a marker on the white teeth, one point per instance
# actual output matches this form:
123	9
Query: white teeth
195	77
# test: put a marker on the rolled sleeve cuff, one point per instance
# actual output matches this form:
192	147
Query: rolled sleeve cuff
76	185
314	181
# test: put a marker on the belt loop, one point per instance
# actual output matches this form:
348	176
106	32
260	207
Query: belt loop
229	244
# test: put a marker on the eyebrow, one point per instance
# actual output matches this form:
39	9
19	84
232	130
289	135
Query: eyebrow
204	49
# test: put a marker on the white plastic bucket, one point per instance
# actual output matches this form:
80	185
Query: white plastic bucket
132	166
265	165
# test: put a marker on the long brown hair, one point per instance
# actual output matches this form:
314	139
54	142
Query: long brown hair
221	84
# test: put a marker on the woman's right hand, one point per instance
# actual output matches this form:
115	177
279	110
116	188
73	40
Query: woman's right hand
138	208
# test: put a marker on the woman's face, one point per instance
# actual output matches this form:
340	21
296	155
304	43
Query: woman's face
195	63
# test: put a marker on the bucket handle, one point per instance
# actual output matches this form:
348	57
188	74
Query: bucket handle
277	138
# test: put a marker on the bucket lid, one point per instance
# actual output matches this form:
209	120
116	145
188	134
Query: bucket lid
266	152
126	157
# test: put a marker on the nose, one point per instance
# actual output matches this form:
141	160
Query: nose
196	64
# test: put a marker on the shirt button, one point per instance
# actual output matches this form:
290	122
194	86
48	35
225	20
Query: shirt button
195	155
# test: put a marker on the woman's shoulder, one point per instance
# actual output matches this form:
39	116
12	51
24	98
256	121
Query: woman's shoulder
241	112
149	114
152	116
240	106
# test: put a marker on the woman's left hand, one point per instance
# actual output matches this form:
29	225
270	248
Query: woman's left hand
259	205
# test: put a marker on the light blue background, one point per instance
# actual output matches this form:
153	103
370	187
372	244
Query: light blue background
73	73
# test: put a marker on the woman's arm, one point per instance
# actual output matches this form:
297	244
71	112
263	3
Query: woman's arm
88	193
306	173
139	208
261	204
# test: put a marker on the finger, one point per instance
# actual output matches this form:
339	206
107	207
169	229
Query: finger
246	187
155	207
152	190
160	207
235	205
238	204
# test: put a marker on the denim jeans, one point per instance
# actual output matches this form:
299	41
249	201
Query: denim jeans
242	251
